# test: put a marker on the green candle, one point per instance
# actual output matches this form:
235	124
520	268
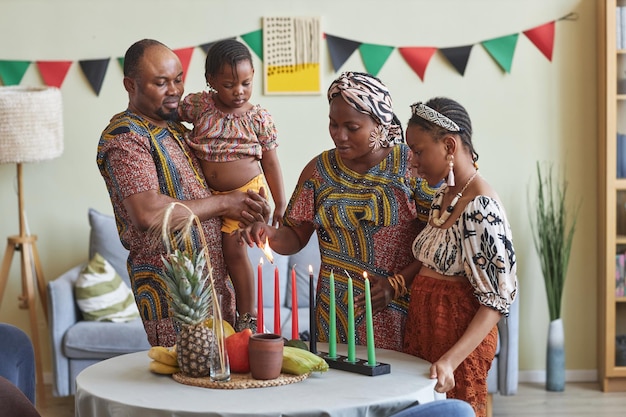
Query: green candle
332	332
351	342
371	354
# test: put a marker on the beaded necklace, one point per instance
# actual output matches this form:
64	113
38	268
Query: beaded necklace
438	221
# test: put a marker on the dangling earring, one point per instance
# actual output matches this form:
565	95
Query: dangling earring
210	89
451	173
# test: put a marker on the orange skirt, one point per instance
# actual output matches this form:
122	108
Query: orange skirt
439	312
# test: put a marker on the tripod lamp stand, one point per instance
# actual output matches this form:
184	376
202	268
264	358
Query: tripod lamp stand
31	130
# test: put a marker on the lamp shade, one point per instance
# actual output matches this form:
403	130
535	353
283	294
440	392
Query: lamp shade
31	124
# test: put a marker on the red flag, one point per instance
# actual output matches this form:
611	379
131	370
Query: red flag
543	38
53	72
417	58
184	55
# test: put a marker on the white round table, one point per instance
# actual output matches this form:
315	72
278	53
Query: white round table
123	386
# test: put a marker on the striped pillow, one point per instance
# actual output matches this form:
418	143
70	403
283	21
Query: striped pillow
101	294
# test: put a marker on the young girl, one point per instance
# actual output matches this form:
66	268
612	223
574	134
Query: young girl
468	280
230	137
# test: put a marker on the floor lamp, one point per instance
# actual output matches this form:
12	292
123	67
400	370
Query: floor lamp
31	130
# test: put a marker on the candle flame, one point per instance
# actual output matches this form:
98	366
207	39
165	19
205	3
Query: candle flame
267	251
261	261
364	275
310	269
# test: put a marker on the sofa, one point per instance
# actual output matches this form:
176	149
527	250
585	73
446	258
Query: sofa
77	343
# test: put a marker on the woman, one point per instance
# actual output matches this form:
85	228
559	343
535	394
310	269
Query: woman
467	280
364	204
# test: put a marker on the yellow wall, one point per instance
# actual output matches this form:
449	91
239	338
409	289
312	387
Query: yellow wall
540	111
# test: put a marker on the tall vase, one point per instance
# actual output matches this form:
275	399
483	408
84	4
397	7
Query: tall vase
555	358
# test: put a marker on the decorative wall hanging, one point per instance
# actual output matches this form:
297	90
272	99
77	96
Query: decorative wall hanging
291	55
290	50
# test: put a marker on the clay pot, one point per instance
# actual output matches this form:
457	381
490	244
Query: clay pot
265	352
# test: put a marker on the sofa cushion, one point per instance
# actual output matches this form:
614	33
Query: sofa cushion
101	294
102	340
105	240
309	255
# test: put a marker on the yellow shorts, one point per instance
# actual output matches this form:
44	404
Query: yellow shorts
230	225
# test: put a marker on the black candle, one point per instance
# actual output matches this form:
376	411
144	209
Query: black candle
312	321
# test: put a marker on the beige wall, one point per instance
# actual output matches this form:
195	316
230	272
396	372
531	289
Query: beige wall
540	111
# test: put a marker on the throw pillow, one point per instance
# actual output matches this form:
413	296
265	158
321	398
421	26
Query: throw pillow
101	294
105	240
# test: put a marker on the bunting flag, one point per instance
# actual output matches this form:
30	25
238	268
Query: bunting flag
374	56
418	58
184	55
53	72
94	70
11	72
543	38
206	46
255	42
458	56
501	49
340	50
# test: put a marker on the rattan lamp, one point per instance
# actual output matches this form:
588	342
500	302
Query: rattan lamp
31	130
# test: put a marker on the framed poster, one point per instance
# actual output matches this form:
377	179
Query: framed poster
291	55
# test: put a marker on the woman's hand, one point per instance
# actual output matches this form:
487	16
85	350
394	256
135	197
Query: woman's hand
444	373
381	293
256	234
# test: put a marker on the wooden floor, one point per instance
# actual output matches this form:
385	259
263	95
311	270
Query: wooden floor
578	399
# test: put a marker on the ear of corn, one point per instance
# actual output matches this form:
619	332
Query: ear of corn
299	361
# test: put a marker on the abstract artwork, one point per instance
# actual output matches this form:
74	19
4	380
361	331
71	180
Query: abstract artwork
291	55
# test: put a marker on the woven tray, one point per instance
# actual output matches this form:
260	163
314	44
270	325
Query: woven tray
239	381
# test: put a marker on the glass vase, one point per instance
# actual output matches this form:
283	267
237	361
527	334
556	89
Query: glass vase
220	367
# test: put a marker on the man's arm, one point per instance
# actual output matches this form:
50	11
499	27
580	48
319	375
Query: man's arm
146	208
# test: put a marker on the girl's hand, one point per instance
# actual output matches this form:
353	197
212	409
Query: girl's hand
277	219
444	373
381	293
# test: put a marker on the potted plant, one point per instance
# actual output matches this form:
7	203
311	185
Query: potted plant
553	229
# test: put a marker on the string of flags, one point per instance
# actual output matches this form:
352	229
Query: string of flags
374	56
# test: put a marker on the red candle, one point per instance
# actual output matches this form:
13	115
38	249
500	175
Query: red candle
294	305
259	313
276	302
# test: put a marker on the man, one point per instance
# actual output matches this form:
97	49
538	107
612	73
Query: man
147	165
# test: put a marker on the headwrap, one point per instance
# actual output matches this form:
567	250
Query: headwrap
368	95
433	116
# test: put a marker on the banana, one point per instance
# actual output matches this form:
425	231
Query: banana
163	355
161	368
299	361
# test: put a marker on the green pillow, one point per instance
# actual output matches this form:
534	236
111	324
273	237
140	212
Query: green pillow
101	294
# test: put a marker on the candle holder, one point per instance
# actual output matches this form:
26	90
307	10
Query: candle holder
360	366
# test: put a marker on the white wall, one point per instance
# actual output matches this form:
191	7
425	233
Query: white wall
540	111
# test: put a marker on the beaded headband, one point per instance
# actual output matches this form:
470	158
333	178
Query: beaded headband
426	113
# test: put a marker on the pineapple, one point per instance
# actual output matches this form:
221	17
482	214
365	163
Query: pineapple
191	298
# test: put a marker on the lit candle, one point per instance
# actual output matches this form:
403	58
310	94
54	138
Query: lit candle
332	333
276	302
351	341
259	304
312	321
294	305
369	323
